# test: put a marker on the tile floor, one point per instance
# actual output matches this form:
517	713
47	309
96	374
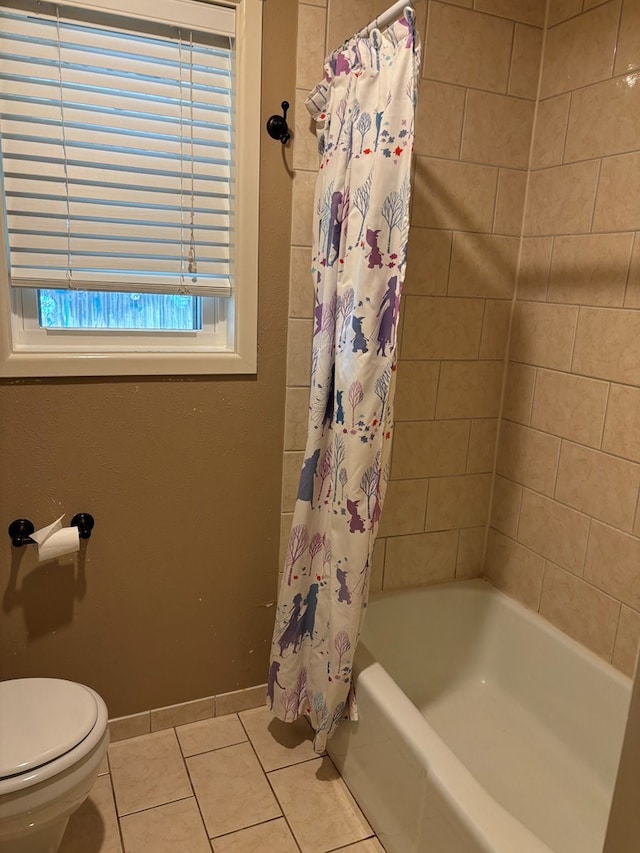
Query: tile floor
242	783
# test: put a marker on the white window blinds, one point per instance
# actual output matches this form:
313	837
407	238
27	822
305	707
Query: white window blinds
116	145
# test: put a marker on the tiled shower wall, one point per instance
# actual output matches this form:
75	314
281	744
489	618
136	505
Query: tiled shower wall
565	526
476	108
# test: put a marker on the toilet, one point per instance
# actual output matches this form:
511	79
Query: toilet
53	739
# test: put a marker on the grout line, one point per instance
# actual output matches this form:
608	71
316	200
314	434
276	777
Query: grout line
273	791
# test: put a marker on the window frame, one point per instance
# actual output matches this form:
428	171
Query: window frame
144	353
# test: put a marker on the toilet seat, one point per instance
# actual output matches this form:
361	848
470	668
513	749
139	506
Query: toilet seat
41	719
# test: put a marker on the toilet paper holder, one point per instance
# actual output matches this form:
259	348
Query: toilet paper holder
21	529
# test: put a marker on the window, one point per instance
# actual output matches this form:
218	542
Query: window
130	177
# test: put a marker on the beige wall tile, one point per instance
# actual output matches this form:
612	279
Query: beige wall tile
285	526
421	559
621	433
291	466
613	563
469	389
617	206
528	11
514	569
628	52
554	531
437	327
301	295
543	334
482	446
376	577
561	200
416	388
581	611
134	725
467	48
346	18
590	269
581	50
470	547
240	700
302	208
495	328
305	141
448	194
570	406
404	508
311	23
518	393
550	131
625	651
632	296
525	62
231	788
427	262
186	712
505	510
483	265
439	117
560	10
328	816
456	502
601	485
604	120
512	187
527	456
533	273
296	418
429	449
497	130
608	344
299	353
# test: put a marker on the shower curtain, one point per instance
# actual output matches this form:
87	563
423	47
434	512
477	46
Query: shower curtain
364	110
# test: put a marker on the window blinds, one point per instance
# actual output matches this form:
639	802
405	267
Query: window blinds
116	148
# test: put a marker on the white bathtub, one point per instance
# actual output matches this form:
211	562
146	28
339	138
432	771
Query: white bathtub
482	728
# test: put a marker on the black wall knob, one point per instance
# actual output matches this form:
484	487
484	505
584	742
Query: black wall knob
277	127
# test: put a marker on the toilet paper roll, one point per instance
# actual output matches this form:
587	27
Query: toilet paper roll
54	540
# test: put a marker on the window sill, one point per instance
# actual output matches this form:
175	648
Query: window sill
32	365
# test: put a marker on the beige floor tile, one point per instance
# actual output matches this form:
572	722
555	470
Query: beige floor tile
271	837
94	826
148	771
166	829
278	744
371	845
231	788
320	810
210	734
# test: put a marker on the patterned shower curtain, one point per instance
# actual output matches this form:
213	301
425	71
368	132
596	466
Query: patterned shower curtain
364	109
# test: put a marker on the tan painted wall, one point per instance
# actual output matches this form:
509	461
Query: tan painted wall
183	477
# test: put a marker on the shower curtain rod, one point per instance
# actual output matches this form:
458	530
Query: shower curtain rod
385	18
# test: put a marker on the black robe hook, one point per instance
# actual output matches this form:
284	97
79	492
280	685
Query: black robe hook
277	127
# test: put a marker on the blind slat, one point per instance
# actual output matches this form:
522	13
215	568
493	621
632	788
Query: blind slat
103	174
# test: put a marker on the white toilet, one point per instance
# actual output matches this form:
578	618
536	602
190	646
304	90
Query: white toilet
53	738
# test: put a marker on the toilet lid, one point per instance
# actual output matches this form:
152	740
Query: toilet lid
40	720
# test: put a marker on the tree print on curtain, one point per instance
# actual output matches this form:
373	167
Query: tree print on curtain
364	109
